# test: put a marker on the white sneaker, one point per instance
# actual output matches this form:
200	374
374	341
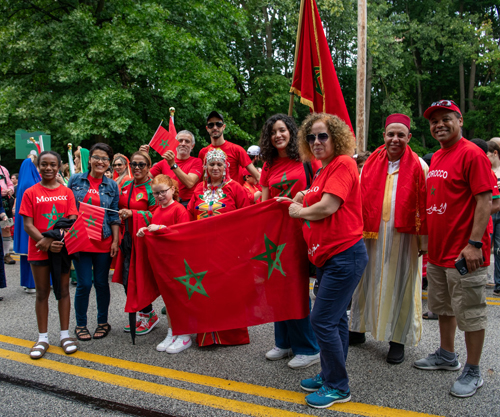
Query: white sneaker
181	343
277	353
30	290
162	347
303	361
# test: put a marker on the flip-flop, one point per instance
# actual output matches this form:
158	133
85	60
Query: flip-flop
67	344
429	316
41	347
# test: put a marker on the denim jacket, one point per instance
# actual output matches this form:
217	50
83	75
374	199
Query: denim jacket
108	194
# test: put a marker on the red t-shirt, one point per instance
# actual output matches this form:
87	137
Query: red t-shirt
233	197
191	165
285	177
251	190
142	198
46	206
236	158
489	229
458	174
93	198
175	213
344	228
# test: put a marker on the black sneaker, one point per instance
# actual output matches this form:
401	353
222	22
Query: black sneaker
497	293
396	353
356	338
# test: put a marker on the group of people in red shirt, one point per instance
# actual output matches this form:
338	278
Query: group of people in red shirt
309	168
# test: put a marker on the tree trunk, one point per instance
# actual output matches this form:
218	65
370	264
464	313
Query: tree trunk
416	61
368	95
462	85
472	83
269	35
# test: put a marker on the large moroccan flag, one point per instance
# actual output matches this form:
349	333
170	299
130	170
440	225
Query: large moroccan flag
164	140
76	238
315	80
93	217
238	269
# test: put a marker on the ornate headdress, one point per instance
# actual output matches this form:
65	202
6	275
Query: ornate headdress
216	154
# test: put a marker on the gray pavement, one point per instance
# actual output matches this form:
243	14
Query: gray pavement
373	382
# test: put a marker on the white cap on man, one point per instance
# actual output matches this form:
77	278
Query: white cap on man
253	150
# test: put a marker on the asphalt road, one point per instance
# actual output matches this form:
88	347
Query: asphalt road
113	377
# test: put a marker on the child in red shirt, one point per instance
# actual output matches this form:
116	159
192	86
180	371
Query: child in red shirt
42	206
168	213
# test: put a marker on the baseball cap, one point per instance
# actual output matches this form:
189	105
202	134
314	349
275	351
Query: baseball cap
442	104
253	150
215	114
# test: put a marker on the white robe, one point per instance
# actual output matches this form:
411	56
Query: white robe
388	300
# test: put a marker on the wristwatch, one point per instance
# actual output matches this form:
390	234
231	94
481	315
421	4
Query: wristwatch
478	245
175	166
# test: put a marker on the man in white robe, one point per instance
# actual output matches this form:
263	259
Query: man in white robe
387	301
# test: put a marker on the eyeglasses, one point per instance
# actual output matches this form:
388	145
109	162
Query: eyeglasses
446	103
211	125
140	165
99	158
117	165
162	192
322	137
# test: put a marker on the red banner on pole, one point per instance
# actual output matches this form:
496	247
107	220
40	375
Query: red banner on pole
163	140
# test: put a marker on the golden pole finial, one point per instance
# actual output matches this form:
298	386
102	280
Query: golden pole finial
172	111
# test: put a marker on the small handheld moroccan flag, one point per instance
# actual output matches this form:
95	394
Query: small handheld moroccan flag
76	238
163	140
93	217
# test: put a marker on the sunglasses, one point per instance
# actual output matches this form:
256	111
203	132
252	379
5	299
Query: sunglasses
117	165
445	103
140	165
322	137
211	125
162	192
99	158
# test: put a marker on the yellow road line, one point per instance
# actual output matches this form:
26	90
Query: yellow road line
220	383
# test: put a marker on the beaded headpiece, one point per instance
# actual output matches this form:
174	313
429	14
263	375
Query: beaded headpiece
215	155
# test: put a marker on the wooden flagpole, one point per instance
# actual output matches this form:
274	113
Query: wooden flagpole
361	78
299	29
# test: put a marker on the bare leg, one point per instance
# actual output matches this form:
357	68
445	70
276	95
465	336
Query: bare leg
447	328
64	303
474	343
41	275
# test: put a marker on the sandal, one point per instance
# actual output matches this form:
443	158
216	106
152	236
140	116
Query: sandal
429	316
81	331
102	331
68	344
41	347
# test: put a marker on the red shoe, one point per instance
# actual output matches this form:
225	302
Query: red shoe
148	322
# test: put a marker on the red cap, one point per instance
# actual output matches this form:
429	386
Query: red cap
398	118
441	104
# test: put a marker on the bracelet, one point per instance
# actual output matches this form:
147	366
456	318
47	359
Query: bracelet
303	193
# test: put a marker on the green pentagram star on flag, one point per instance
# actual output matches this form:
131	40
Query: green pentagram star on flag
164	143
285	186
53	216
73	233
90	221
198	287
266	256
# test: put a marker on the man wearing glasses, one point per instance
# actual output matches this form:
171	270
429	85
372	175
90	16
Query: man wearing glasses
459	190
184	168
387	300
236	155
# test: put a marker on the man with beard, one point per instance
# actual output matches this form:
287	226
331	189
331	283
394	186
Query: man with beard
184	168
236	155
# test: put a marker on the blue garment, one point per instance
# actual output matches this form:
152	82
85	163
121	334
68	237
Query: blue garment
83	266
27	279
296	334
28	177
108	195
495	238
338	278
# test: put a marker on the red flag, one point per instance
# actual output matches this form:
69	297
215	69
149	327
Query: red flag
315	79
76	238
93	217
209	283
164	141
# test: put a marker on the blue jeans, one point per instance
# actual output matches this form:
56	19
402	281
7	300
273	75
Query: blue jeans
101	263
296	334
495	239
338	279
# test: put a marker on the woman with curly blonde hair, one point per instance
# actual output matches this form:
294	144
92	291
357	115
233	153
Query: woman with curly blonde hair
333	231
